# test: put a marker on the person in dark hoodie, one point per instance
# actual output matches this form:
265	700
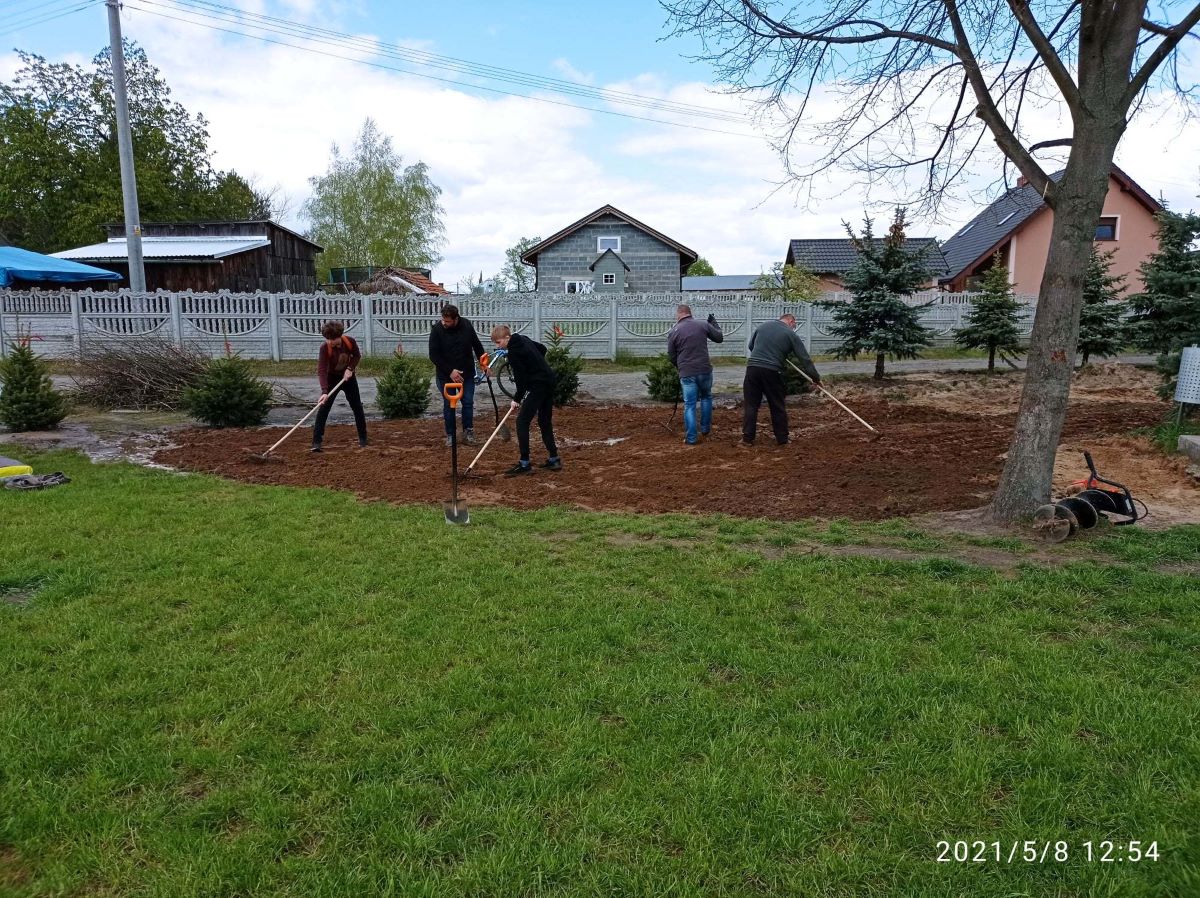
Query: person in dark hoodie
535	396
687	348
769	347
453	348
336	363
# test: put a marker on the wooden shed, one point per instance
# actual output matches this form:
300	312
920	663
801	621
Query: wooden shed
240	256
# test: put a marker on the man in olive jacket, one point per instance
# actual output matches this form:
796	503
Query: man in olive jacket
769	348
687	348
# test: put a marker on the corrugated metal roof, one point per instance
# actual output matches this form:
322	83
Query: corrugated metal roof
167	248
836	255
716	283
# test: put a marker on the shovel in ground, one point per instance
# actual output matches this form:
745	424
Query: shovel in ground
456	511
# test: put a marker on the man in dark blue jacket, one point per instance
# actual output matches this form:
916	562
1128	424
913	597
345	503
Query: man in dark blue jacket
687	348
453	348
535	396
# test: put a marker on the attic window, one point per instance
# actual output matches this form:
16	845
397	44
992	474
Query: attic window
603	243
1006	218
1107	228
967	228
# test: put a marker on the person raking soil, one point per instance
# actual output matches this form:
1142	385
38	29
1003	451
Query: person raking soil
453	348
535	396
337	361
769	347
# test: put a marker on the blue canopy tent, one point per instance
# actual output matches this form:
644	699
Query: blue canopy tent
24	265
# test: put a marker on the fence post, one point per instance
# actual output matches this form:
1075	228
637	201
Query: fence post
368	308
749	326
177	317
809	311
612	322
537	317
77	320
3	338
273	325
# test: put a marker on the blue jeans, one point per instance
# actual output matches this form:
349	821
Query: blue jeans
467	404
698	387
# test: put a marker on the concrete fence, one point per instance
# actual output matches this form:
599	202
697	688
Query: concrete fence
65	323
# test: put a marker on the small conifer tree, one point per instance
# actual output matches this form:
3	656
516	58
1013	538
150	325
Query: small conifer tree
1167	313
403	391
28	400
228	395
662	380
1101	331
993	321
877	321
564	364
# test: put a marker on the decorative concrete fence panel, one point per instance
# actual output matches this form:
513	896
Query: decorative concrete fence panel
288	326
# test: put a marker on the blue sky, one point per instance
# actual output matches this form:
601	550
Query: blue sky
512	167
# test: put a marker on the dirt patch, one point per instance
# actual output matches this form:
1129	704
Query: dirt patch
925	460
977	393
1159	480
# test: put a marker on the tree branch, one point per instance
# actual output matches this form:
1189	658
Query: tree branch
825	35
1173	36
1046	51
1046	144
1008	142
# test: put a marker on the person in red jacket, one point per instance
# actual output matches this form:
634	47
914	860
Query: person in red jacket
336	362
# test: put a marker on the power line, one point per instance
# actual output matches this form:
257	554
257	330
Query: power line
432	60
31	22
234	31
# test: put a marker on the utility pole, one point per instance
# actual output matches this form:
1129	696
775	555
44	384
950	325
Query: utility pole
133	222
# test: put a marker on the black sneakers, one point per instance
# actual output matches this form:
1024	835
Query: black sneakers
552	464
518	469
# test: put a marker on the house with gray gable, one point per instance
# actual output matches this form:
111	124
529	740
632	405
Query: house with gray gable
609	252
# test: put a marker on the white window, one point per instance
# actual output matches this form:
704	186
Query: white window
603	243
577	287
610	278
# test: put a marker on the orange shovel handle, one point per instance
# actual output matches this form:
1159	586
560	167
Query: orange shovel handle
453	393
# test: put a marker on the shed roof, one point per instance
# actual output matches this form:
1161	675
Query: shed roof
837	255
116	249
716	283
596	262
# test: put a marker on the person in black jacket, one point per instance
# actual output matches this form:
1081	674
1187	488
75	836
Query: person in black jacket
535	396
453	348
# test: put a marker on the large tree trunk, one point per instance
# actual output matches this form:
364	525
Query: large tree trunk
1026	480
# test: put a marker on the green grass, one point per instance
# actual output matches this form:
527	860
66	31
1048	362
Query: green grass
208	688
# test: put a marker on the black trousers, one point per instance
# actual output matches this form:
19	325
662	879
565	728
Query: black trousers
349	389
538	401
763	383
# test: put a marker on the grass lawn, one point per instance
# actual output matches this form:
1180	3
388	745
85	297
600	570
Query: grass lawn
213	689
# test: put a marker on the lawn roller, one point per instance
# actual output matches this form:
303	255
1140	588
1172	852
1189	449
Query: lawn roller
456	512
501	427
1094	497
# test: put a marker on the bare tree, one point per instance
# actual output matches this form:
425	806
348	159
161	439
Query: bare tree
919	84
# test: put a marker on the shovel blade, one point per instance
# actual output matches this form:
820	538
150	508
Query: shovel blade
456	512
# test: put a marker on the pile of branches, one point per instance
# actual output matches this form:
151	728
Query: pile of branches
140	374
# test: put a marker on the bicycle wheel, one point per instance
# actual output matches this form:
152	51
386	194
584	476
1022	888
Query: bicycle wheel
505	379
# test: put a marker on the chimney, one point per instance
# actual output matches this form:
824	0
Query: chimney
1022	181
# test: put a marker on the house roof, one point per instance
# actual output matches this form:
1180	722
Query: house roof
719	282
837	255
592	267
688	256
419	280
115	249
979	238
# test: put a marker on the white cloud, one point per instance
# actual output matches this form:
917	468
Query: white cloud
568	71
513	167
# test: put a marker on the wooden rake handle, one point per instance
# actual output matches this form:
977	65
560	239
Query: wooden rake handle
489	439
293	430
831	396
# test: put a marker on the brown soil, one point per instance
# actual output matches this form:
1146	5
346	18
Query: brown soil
622	458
